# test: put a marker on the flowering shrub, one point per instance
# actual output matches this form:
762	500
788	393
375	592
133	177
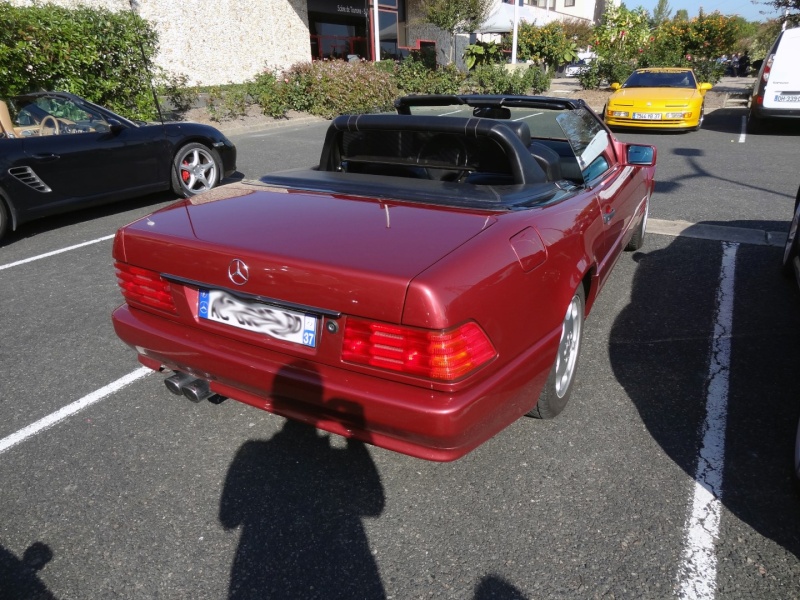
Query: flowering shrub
623	43
331	88
547	43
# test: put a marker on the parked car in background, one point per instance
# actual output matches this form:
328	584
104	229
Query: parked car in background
576	68
776	94
421	289
657	98
791	251
59	152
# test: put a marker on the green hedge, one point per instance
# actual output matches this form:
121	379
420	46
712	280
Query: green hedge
103	56
94	53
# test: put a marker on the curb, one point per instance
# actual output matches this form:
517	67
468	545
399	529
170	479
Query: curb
720	233
276	124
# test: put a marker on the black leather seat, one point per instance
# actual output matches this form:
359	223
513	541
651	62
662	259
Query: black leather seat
548	159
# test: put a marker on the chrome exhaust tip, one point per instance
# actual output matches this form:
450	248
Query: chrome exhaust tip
176	381
197	391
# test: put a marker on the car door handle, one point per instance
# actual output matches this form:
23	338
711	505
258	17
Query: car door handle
46	157
608	215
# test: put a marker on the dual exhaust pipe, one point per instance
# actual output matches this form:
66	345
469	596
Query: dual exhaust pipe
183	384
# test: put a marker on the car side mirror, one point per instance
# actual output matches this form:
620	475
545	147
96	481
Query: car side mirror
704	87
114	126
615	86
641	155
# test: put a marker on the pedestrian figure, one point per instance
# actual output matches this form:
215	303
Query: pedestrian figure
744	64
735	64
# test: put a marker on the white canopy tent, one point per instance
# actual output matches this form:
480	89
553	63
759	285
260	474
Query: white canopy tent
501	20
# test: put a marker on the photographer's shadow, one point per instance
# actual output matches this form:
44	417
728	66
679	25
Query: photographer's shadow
299	502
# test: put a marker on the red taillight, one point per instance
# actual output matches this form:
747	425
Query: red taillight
767	68
442	355
142	286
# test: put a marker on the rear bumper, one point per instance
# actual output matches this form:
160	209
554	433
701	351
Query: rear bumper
759	111
417	421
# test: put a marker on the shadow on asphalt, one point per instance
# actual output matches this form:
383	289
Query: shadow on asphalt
19	579
51	223
725	120
697	169
659	348
299	503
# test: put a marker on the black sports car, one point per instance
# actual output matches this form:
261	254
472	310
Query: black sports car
59	152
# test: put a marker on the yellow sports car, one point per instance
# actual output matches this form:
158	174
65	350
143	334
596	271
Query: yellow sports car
658	98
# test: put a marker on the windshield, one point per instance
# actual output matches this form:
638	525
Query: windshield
651	79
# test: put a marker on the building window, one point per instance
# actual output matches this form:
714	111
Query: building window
569	3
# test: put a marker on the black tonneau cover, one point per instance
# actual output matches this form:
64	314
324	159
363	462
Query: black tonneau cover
426	191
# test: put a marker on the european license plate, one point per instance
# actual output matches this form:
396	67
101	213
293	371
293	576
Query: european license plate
787	97
275	321
647	116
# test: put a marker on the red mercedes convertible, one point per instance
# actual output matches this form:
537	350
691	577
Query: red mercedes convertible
421	289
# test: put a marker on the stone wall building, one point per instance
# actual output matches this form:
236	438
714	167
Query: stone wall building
230	41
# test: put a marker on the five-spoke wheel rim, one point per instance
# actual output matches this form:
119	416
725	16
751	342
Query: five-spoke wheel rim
569	346
198	171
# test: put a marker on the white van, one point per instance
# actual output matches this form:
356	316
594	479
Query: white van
776	93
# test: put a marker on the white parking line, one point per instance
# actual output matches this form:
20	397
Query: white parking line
71	409
529	116
743	135
697	576
54	252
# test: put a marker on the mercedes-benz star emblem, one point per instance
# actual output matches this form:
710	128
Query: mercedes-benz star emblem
238	271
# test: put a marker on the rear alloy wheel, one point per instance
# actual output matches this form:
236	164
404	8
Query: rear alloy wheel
196	169
558	387
791	249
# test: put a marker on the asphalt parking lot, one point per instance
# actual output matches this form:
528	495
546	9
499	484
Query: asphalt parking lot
669	473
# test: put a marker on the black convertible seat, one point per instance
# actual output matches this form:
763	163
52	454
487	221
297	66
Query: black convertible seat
446	148
548	159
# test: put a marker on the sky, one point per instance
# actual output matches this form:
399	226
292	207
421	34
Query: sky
744	8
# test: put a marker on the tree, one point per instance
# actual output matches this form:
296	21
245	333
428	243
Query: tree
547	43
579	31
681	15
456	16
789	9
661	12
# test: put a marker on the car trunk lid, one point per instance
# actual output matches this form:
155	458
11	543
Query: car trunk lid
342	254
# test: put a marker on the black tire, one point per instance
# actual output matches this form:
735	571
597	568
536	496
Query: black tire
754	124
792	246
558	388
195	169
702	116
3	218
637	241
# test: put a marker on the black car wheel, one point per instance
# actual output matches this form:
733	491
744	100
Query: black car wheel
754	124
637	240
702	116
3	218
196	169
791	249
558	387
